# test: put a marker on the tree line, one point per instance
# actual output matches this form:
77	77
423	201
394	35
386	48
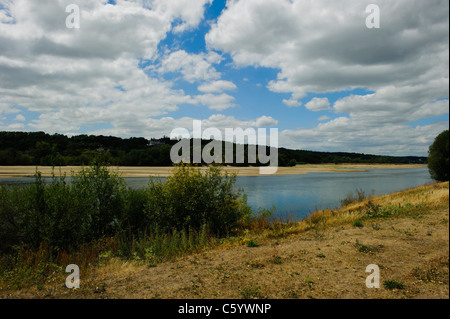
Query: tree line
39	148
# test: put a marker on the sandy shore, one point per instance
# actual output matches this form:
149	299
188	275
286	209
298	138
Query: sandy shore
27	171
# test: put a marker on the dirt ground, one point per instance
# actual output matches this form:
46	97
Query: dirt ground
27	171
323	263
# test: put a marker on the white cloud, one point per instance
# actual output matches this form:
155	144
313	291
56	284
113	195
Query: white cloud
193	67
78	77
318	104
324	46
164	126
20	118
266	121
345	134
323	118
217	87
216	102
292	102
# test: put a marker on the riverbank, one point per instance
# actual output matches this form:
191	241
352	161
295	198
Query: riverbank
29	171
325	256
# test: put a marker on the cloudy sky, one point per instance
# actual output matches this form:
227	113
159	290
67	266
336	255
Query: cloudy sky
310	68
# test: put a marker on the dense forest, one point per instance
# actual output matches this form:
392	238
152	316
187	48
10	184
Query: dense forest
39	148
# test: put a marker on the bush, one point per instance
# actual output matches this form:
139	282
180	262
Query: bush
66	215
192	198
438	156
96	204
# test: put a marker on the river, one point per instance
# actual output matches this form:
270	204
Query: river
301	194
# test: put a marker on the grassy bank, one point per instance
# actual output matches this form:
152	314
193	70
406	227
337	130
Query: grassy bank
323	256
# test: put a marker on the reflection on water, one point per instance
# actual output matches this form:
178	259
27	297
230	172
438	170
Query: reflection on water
301	194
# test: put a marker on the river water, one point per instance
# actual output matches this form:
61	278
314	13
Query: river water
301	194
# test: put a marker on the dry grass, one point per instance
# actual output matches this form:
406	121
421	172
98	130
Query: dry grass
324	256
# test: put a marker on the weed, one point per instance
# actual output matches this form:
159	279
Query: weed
255	264
277	260
376	226
309	282
392	284
365	248
252	292
359	196
358	223
436	272
252	243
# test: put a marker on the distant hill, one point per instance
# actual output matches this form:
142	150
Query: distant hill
39	148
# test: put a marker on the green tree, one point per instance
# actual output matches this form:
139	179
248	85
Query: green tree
438	157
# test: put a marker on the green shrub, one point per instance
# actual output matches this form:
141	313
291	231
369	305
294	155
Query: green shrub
192	198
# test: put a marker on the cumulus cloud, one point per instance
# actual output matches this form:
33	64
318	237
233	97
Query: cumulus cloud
217	87
165	125
318	104
323	118
322	47
193	67
20	118
78	77
344	133
292	102
111	71
217	102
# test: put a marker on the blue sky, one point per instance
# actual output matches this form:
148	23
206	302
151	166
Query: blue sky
311	69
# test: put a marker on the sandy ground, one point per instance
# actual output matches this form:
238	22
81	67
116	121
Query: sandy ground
315	264
27	171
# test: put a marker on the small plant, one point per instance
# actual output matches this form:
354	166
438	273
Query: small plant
255	264
309	282
321	255
372	210
358	223
252	292
351	198
252	243
376	226
437	271
277	260
365	248
392	284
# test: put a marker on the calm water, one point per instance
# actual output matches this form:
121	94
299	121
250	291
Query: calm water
301	194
